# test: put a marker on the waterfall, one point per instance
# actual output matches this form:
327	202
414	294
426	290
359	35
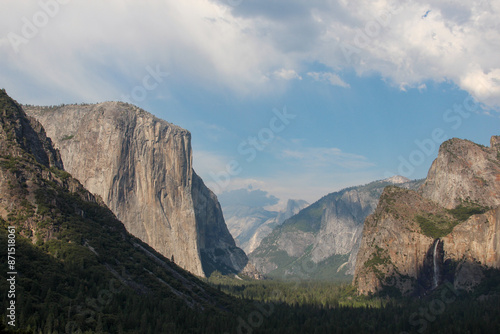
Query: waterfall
435	280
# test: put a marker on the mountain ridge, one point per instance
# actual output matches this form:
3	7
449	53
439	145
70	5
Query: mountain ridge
321	241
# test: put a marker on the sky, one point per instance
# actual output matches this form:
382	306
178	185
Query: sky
283	98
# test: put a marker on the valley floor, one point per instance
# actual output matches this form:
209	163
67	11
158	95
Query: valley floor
326	307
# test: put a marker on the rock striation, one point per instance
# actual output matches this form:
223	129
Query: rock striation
446	231
141	167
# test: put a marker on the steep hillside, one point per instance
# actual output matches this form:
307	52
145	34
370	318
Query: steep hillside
447	231
141	167
76	267
322	240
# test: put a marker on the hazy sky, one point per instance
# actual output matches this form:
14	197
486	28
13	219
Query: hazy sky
297	98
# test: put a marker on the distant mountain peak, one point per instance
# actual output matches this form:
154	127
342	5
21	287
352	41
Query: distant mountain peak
397	179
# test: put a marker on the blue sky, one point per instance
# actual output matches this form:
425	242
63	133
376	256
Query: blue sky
294	98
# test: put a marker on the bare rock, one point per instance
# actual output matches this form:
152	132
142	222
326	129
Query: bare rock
141	167
464	171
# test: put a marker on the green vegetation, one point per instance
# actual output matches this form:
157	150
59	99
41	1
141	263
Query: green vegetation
301	292
321	307
328	270
307	220
379	258
435	226
61	174
439	225
10	163
467	209
68	137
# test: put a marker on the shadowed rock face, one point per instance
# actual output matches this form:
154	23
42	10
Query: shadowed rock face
21	134
141	167
458	204
393	245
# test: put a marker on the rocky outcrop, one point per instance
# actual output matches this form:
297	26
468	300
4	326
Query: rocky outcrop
447	231
141	167
477	240
28	164
322	240
393	247
464	171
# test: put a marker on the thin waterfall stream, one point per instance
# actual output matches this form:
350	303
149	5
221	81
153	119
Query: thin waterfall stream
436	265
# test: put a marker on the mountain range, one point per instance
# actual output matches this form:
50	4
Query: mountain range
322	240
79	268
141	168
250	224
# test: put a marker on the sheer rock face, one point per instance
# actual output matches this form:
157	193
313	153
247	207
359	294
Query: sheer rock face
396	251
476	241
217	248
141	167
393	248
462	171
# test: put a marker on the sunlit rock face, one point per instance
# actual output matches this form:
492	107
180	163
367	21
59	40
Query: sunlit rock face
141	167
446	231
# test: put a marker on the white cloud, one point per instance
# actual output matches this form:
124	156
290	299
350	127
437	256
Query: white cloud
248	197
454	42
97	50
328	77
483	86
287	74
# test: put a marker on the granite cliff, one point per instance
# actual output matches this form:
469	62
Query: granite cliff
141	167
464	171
448	230
76	268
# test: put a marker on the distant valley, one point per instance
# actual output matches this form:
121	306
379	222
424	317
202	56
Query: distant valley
248	223
321	241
